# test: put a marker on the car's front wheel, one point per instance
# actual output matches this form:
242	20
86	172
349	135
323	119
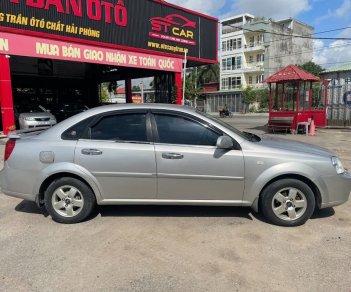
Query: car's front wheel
69	200
287	202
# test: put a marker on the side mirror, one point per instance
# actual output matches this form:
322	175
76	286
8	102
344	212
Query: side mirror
224	142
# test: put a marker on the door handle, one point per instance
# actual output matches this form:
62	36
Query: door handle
172	156
91	152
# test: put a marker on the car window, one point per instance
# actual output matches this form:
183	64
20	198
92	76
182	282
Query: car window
173	129
76	132
120	127
29	108
229	127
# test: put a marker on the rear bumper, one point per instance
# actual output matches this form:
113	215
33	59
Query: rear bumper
7	183
27	197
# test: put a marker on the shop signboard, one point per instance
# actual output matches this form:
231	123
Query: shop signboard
137	25
20	45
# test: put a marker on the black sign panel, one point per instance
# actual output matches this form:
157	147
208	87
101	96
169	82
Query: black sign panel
139	24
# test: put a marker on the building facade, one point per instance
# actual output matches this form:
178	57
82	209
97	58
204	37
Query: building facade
253	48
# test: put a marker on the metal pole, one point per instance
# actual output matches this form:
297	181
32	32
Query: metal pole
142	91
184	76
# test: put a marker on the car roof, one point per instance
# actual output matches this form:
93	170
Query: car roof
115	107
56	131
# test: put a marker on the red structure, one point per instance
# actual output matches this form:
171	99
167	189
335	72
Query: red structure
296	97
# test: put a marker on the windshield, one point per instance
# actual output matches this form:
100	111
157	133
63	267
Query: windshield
244	135
29	108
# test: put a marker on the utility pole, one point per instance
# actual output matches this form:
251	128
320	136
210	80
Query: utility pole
184	76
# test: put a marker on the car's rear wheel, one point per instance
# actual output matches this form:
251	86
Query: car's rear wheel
69	200
287	202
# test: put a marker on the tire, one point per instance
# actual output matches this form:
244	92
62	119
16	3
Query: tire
287	202
69	200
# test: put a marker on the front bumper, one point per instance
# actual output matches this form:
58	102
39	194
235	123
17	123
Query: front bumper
35	124
337	190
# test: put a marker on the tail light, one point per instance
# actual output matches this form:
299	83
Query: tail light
10	145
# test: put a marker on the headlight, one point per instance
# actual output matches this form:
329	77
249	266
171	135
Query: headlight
337	165
29	118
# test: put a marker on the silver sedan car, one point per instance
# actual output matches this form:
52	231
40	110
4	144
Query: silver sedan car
32	116
164	154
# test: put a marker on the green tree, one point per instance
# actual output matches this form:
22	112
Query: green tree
249	97
312	67
174	94
192	90
262	96
104	93
208	73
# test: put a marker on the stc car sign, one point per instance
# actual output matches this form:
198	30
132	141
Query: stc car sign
123	24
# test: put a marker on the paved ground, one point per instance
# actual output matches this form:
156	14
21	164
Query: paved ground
179	248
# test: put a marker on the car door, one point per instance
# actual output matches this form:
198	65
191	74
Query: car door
119	153
189	166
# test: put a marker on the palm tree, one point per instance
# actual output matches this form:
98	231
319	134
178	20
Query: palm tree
208	73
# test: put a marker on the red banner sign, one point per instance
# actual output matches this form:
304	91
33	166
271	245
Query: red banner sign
13	44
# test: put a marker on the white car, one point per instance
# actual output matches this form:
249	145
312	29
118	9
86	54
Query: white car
32	116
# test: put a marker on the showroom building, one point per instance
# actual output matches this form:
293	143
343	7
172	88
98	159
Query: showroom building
54	51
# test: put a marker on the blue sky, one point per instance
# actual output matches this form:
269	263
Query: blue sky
323	15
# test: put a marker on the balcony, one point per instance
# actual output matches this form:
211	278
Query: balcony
252	47
253	67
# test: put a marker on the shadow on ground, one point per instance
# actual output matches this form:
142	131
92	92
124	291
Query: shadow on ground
30	207
149	211
323	213
168	211
174	211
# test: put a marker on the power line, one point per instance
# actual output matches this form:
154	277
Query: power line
332	30
303	36
279	68
301	52
298	36
307	36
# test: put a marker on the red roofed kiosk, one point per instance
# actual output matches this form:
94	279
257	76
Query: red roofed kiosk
295	98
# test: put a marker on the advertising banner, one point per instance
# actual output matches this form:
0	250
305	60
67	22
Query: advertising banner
124	24
20	45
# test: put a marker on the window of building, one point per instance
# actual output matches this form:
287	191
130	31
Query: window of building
238	62
260	39
259	78
251	58
250	80
225	83
259	58
224	46
231	83
230	48
252	41
235	82
229	63
232	44
224	64
232	63
239	43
